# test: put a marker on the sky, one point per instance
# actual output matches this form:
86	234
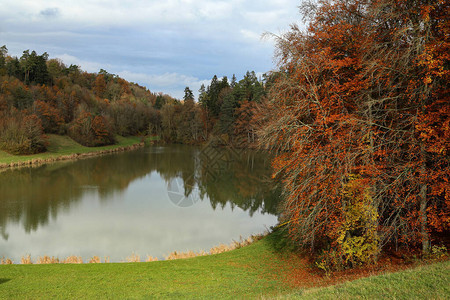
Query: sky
163	45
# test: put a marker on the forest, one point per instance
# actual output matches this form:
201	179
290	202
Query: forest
39	96
356	115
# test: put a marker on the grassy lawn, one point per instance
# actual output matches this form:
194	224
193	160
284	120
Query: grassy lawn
424	282
64	145
250	271
253	271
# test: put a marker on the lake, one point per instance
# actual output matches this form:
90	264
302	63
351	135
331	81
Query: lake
150	201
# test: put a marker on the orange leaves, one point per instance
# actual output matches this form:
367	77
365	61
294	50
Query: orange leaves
365	93
100	85
50	116
21	132
90	130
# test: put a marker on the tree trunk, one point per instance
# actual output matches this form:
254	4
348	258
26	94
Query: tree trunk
423	205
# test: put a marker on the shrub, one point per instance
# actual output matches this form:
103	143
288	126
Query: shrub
358	239
21	133
90	130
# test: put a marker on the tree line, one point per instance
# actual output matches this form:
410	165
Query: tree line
225	113
39	96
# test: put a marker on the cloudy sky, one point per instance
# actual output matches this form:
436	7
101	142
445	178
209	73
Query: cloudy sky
164	45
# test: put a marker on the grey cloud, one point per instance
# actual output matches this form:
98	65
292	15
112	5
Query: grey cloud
50	12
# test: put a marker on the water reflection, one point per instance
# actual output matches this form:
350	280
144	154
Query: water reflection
32	195
91	192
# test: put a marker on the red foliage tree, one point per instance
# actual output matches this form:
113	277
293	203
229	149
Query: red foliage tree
50	116
90	130
360	124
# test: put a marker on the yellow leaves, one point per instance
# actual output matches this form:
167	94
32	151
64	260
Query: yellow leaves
358	237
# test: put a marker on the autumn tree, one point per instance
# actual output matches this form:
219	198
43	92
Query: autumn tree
411	37
21	132
100	86
348	125
91	130
51	117
245	125
168	112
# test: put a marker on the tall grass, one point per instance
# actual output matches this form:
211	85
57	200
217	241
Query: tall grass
27	260
217	249
95	260
151	258
133	258
42	260
6	261
47	260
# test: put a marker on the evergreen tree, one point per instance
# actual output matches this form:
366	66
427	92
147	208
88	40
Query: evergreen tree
188	94
159	102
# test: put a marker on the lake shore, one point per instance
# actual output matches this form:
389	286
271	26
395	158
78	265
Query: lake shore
64	148
257	270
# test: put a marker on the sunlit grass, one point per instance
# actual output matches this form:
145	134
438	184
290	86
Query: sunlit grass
253	271
424	282
60	146
241	273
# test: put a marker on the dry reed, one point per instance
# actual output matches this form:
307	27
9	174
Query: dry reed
6	261
151	258
95	260
133	258
26	260
72	260
47	260
217	249
136	258
181	255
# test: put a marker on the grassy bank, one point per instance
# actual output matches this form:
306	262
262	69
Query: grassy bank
424	282
64	146
250	272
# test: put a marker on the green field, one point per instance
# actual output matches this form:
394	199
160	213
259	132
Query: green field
64	145
254	271
424	282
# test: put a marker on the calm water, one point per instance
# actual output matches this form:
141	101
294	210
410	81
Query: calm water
151	201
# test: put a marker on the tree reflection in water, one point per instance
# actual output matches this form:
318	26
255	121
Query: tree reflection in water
31	195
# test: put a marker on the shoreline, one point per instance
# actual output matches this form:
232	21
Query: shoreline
134	257
35	162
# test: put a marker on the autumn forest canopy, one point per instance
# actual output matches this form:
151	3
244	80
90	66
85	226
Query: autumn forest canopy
41	95
356	115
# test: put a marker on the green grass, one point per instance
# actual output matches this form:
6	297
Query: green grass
424	282
64	145
245	272
255	271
